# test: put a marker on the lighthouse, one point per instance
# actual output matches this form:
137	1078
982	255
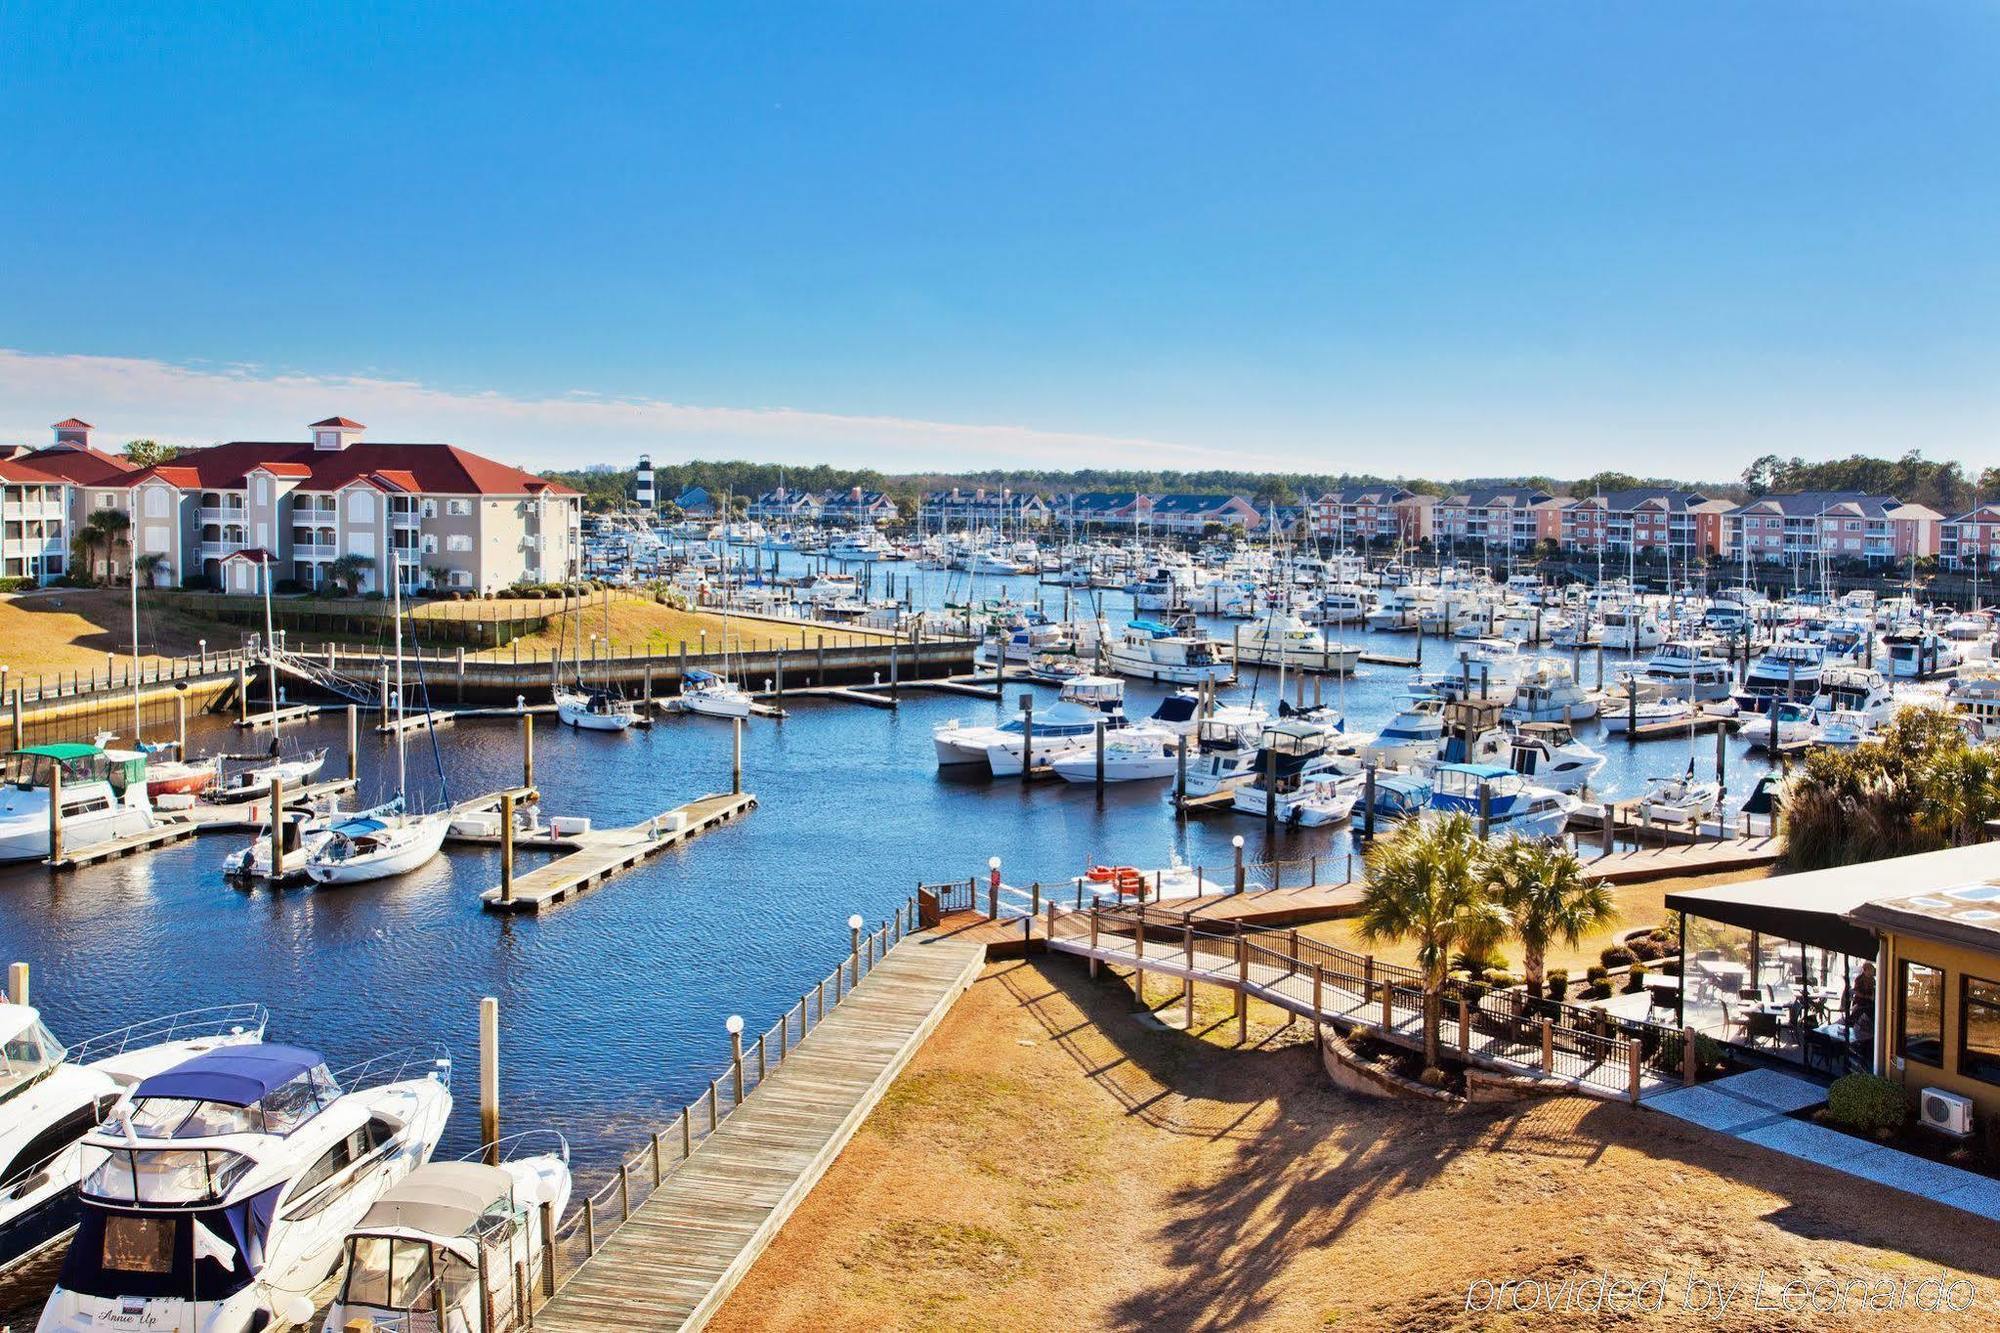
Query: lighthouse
642	488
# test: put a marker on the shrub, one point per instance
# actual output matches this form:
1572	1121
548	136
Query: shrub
1666	1055
1868	1103
1596	975
1646	949
1558	980
1635	980
15	585
1502	980
1617	955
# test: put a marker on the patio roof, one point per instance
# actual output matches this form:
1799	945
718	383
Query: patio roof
1817	907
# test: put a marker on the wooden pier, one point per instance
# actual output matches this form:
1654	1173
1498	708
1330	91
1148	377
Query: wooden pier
602	853
160	835
282	717
672	1262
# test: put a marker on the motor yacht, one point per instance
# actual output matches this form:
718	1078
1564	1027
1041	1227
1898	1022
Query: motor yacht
1919	654
1787	670
103	797
1281	638
1547	692
1410	735
1621	715
1149	650
1785	726
1854	689
1631	628
1292	778
439	1250
1845	727
1683	669
1549	754
1132	754
1504	800
220	1198
52	1096
1084	702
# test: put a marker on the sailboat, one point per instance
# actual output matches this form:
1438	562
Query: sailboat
712	694
391	839
599	709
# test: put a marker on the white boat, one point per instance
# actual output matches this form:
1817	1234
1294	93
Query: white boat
1549	755
301	832
1504	800
1785	726
1787	670
222	1196
1132	754
54	1096
1411	735
711	695
1225	750
1845	727
1149	650
1854	689
1677	800
595	710
1282	639
378	845
1312	802
1620	715
1920	654
254	781
1974	696
1293	778
1547	692
103	797
1632	628
453	1233
1090	700
1683	669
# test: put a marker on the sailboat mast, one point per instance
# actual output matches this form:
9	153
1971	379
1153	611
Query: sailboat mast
270	643
396	604
135	655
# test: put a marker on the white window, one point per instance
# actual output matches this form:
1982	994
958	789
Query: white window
264	536
430	509
156	541
430	544
461	578
458	508
361	543
263	489
107	499
156	502
457	541
360	507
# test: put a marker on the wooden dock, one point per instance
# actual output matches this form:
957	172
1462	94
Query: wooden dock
288	714
1388	660
680	1254
602	853
436	717
159	835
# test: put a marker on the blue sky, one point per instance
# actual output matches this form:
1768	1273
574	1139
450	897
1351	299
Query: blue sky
1408	238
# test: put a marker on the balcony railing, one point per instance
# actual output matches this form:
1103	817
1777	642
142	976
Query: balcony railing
225	514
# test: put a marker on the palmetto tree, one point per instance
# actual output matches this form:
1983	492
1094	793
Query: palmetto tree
106	526
349	570
147	568
1547	895
1426	883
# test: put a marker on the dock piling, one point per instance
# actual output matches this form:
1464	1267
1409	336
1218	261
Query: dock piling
55	814
17	983
853	954
506	846
353	742
735	1026
1236	845
736	759
528	750
489	1079
277	830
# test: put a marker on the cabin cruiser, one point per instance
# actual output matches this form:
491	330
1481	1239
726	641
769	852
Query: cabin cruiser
1845	727
1083	703
103	797
1149	650
1785	726
1550	754
1224	755
595	710
1399	795
222	1195
1631	628
1133	754
1787	670
1623	714
1974	697
1854	689
1919	654
1681	799
1302	789
1851	642
453	1233
1547	692
1505	800
1024	642
169	775
1411	735
1342	604
711	695
1397	608
1282	639
1683	669
377	844
53	1096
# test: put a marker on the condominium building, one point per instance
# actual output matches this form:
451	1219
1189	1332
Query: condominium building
447	517
1972	540
981	507
1494	516
34	509
1359	515
1784	529
93	480
1679	524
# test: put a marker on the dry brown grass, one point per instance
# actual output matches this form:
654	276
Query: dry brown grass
642	625
1048	1161
1638	905
71	629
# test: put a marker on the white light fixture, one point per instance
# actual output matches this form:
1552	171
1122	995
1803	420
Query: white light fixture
734	1024
1237	842
854	922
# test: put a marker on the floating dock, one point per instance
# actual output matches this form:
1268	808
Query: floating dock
158	836
267	718
602	853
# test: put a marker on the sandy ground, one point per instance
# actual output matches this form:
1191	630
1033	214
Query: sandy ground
1052	1161
1638	905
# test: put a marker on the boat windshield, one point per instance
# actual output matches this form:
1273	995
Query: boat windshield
26	1055
394	1273
188	1118
197	1254
164	1175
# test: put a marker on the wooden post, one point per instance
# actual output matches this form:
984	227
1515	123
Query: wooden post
736	757
548	1247
242	692
506	846
1388	1005
17	983
277	829
1187	986
1027	736
1687	1056
1464	1027
461	673
1093	942
1548	1047
1098	726
528	750
736	1059
1139	956
687	1132
180	723
1242	984
20	740
1180	772
1632	1055
489	1078
55	812
1319	994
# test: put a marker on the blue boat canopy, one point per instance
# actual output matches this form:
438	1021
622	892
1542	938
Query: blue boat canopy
1480	770
359	828
698	676
1152	627
233	1075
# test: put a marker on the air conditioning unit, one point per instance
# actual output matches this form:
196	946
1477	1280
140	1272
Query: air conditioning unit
1946	1111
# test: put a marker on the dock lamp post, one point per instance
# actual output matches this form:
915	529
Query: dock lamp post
1236	843
735	1026
993	888
854	947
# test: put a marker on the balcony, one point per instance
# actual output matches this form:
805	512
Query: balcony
314	551
226	514
216	550
405	518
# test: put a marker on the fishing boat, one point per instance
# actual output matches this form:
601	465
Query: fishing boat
1130	755
1680	799
454	1234
1844	727
1785	726
392	839
103	797
1289	779
1549	753
1149	650
55	1095
1084	702
220	1198
1787	670
1502	799
1547	692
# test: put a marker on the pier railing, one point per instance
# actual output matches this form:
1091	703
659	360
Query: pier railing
572	1240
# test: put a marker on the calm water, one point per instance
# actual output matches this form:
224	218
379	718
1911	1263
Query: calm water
612	1007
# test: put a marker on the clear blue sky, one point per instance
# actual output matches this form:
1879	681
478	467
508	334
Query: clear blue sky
1397	237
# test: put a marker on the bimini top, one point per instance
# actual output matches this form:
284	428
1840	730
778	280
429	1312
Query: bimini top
65	752
233	1075
1152	627
1480	770
440	1199
698	676
360	827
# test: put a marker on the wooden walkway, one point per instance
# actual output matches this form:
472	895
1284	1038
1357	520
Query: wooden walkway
160	835
682	1252
602	853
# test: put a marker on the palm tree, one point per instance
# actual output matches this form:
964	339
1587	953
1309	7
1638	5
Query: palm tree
1548	896
1425	882
349	570
148	567
107	526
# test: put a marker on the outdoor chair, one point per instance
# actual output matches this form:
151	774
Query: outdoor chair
1759	1026
1665	998
1822	1053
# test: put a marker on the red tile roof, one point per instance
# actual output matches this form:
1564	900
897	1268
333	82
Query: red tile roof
255	553
438	469
72	424
85	467
284	469
23	473
341	423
